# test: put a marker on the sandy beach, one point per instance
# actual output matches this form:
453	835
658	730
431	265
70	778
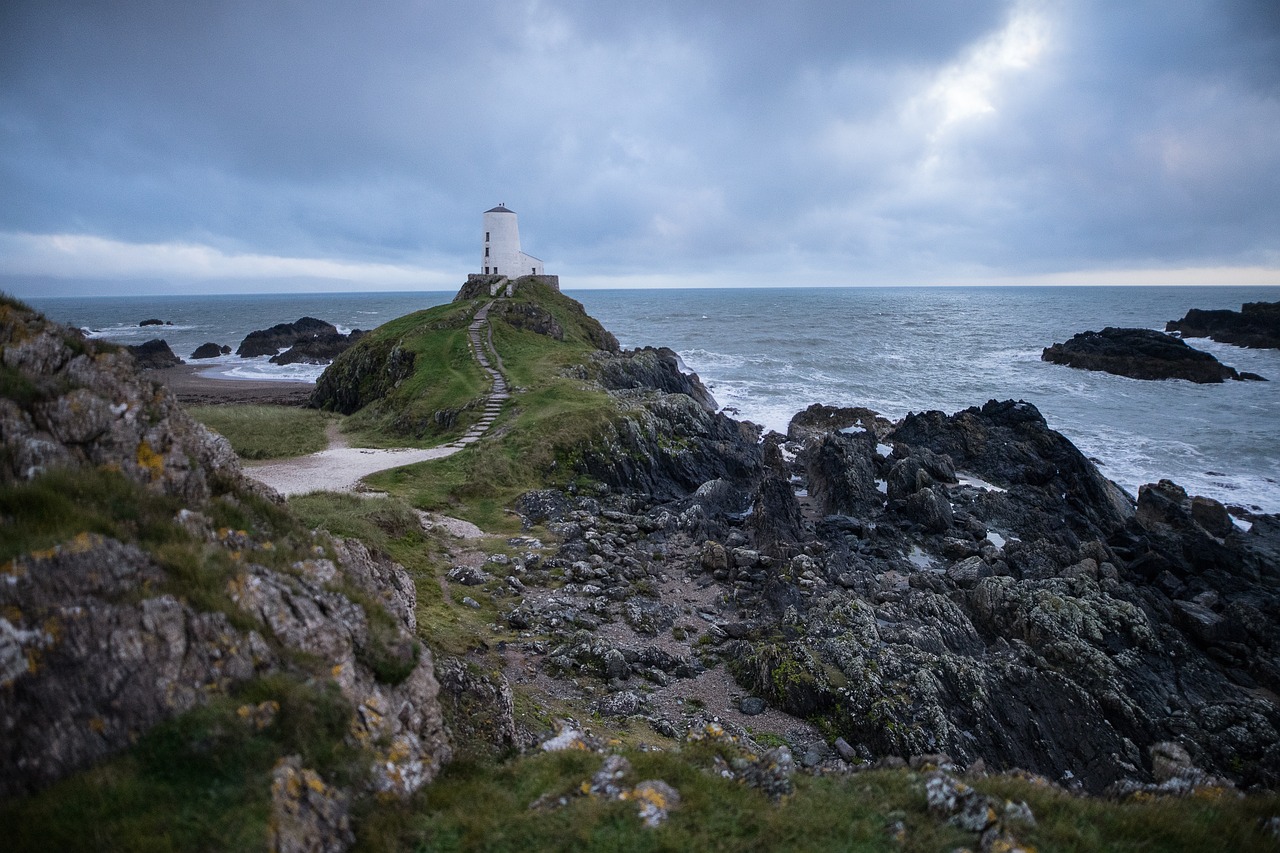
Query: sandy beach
193	389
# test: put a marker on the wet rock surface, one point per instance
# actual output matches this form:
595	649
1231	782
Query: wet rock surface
1256	324
1140	354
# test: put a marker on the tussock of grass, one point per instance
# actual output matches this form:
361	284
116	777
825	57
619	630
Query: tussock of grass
267	432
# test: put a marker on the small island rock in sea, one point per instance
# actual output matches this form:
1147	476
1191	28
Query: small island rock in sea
1141	354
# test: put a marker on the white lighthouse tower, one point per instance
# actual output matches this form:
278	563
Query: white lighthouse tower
502	255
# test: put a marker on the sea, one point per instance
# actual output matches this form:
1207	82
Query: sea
767	353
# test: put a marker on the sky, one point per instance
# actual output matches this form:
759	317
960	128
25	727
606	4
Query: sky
204	147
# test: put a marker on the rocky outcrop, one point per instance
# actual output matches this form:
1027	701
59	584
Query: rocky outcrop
88	660
817	420
154	355
102	636
284	335
1140	354
658	369
966	584
77	403
366	373
320	349
211	350
1256	324
668	444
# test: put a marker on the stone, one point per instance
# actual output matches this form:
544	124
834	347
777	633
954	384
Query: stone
154	355
307	815
210	350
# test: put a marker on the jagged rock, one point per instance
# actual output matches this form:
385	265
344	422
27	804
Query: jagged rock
479	708
307	816
1256	324
656	369
282	336
776	519
841	473
930	509
319	349
817	420
1139	354
154	355
622	704
669	445
210	350
91	654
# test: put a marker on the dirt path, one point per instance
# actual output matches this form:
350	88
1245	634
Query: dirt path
340	467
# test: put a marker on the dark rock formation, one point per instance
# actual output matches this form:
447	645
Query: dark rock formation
1140	354
819	419
154	355
365	373
321	349
211	350
1256	324
282	336
997	598
668	445
658	369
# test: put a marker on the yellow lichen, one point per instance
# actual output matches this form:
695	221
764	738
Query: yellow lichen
150	460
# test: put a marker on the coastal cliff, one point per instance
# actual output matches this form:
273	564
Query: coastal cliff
951	594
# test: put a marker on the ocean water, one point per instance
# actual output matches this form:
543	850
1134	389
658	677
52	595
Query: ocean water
767	353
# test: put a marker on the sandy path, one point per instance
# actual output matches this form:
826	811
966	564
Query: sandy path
338	469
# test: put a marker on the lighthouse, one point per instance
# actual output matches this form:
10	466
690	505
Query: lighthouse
502	255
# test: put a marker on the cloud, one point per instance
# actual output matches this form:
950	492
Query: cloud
911	141
88	256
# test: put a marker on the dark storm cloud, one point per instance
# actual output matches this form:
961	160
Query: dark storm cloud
916	140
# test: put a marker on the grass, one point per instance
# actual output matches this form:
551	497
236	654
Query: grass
267	432
198	782
825	813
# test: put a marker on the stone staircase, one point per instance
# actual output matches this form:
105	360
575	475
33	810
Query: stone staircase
480	334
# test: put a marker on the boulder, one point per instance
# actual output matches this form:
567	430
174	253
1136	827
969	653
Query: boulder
210	350
154	355
1139	354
